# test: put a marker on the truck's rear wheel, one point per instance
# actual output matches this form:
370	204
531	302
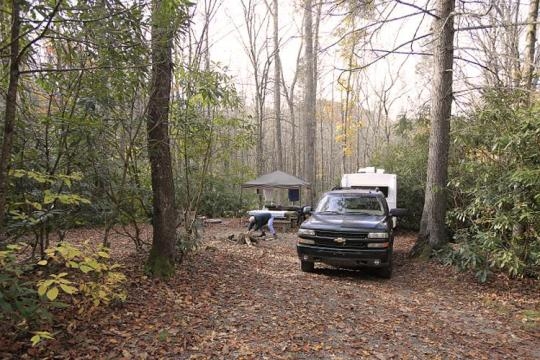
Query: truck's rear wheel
307	266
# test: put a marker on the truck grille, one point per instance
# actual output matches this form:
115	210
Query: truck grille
352	240
349	244
335	234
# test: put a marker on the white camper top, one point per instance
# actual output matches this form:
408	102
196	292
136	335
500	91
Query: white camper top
371	178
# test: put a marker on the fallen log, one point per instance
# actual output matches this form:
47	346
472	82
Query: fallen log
213	221
243	239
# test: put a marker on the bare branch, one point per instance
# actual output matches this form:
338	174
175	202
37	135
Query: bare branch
38	71
37	38
425	11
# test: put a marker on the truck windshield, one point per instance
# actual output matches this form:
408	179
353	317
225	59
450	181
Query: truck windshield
350	204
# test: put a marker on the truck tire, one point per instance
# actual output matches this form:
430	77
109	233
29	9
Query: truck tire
307	266
386	272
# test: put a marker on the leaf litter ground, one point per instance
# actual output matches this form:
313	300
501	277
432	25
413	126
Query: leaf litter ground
229	301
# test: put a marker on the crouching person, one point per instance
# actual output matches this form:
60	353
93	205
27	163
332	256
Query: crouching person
258	221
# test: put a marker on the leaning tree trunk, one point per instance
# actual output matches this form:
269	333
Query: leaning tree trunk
10	110
433	226
162	255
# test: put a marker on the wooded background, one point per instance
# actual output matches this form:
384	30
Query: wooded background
92	134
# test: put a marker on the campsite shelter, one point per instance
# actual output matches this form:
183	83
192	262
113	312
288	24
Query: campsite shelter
278	180
289	216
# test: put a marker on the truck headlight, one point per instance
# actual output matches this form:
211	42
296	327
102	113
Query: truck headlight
307	232
378	235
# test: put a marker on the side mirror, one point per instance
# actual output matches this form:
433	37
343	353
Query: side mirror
398	212
306	210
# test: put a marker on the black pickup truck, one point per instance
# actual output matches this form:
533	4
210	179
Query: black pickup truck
350	228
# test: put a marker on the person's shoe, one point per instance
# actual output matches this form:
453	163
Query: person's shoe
263	234
274	236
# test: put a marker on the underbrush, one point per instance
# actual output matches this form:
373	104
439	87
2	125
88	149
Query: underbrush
81	278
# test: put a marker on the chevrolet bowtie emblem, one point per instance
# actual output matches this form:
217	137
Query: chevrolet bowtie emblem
340	240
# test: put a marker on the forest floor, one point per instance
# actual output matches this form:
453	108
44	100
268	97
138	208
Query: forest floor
230	301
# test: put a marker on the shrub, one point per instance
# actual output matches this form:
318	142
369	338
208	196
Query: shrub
80	277
20	306
495	188
84	274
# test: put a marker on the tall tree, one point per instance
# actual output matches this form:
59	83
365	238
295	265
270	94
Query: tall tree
16	56
309	98
530	44
11	106
254	47
289	97
277	86
433	226
163	28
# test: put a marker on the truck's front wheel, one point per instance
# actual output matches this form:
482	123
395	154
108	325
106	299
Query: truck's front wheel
386	272
307	266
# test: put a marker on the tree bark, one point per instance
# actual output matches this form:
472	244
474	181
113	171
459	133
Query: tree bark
162	255
530	44
260	76
11	108
309	99
289	97
277	88
432	233
528	75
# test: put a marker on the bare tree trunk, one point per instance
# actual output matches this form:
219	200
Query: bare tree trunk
260	75
309	99
290	104
518	229
289	96
260	137
432	227
316	46
320	169
332	136
277	88
11	108
162	255
514	46
344	134
530	44
347	116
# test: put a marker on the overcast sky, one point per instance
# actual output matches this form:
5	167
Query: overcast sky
412	72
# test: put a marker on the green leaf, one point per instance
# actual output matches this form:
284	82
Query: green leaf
103	254
52	294
36	205
40	335
48	197
68	289
35	340
42	289
85	268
